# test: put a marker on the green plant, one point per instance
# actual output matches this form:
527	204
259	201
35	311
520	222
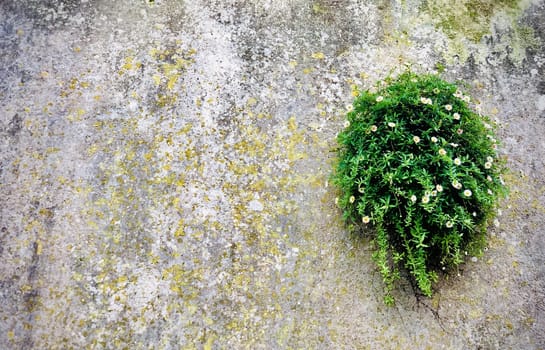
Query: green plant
420	166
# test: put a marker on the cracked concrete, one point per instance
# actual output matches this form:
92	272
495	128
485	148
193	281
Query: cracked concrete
164	173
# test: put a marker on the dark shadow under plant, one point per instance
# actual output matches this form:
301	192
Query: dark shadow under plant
420	166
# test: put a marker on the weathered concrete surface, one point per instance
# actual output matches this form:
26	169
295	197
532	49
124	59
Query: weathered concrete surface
164	166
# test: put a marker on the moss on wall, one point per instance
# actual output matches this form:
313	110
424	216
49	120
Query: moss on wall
469	18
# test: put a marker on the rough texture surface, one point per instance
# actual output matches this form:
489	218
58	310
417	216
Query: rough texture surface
164	166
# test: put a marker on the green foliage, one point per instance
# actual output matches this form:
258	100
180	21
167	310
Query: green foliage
419	166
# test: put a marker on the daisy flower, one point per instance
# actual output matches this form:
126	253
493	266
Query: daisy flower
487	165
379	98
460	131
456	116
426	101
457	161
439	188
373	128
449	224
433	139
413	198
456	184
425	199
416	139
442	152
448	107
467	193
391	125
365	219
346	124
352	199
349	108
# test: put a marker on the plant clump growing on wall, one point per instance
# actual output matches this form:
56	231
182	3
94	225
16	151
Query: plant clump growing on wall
420	167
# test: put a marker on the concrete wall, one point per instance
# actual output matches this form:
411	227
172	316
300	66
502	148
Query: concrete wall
164	167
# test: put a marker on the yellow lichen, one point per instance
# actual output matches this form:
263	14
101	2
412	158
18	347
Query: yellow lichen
318	55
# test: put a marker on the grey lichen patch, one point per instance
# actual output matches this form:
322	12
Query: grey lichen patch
201	208
262	201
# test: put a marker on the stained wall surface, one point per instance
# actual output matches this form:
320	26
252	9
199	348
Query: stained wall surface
164	174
